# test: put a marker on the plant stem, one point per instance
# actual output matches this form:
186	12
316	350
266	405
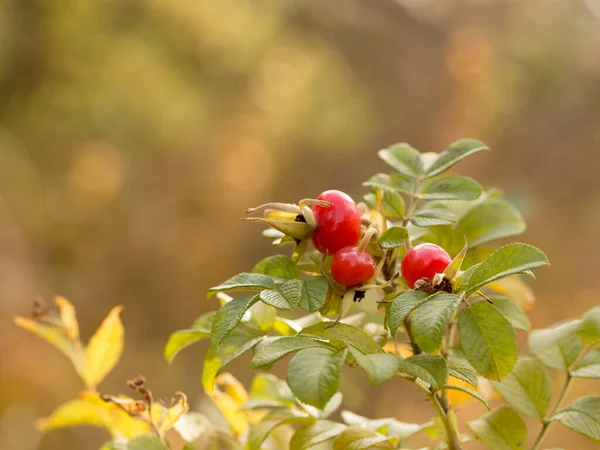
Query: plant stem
547	423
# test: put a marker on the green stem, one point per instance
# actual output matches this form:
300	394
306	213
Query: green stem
547	423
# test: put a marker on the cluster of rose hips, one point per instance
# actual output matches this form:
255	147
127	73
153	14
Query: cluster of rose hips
334	224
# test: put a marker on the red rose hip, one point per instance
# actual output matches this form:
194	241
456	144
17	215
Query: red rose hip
338	226
424	261
350	266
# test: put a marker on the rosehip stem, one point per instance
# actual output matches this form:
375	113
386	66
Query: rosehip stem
366	239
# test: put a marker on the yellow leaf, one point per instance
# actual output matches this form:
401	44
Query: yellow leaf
515	289
400	349
55	336
174	412
457	398
90	410
229	400
68	318
104	349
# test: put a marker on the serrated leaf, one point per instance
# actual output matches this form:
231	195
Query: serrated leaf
557	347
433	217
490	220
398	182
216	358
527	388
316	433
589	329
403	158
277	349
266	385
462	370
393	204
54	336
393	237
263	316
244	282
229	316
468	391
510	259
313	375
501	429
285	296
260	431
380	367
393	428
277	266
182	338
588	366
450	188
509	309
430	320
456	152
429	368
402	306
582	416
488	340
314	293
345	333
104	349
360	439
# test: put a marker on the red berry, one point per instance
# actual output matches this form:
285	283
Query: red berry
350	266
424	261
338	226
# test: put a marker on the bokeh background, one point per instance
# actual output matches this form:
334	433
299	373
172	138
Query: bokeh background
134	133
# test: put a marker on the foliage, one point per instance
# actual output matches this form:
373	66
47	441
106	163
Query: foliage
461	328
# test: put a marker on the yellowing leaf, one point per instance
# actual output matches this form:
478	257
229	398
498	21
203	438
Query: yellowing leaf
399	349
90	410
104	349
515	289
173	414
56	337
457	398
68	318
229	395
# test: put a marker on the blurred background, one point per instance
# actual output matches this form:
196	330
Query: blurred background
134	134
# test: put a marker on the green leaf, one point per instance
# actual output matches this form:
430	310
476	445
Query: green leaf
313	375
146	442
277	349
461	369
216	358
393	237
471	392
509	309
583	416
590	327
229	316
557	347
314	293
588	366
508	260
456	152
429	368
268	386
392	427
430	320
451	188
380	367
285	296
360	439
527	388
404	158
316	433
393	203
501	429
432	217
488	340
398	182
402	306
277	266
492	219
260	432
182	338
244	282
345	333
